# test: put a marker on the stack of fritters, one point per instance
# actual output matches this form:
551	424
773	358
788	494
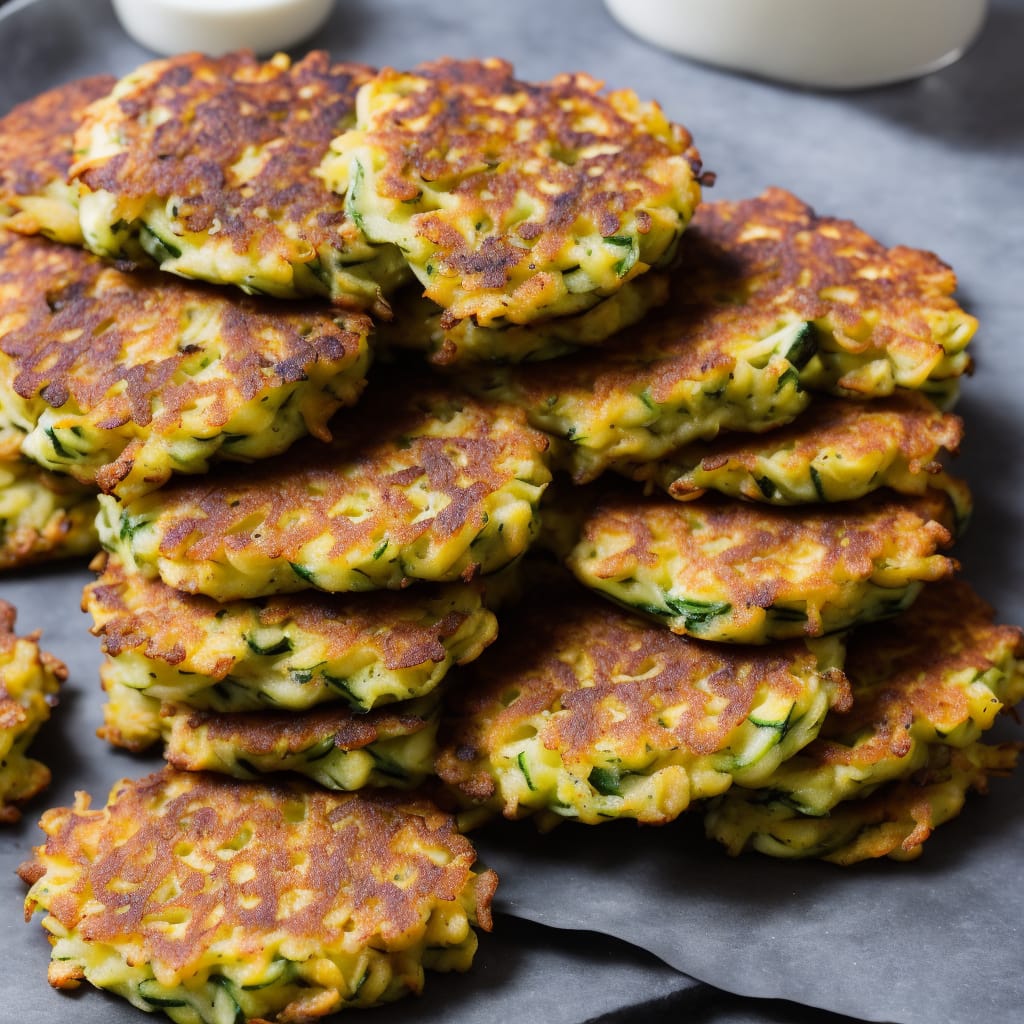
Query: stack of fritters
747	414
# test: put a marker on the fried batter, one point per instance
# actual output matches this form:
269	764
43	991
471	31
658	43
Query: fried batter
584	711
745	573
514	201
420	484
29	682
218	900
123	379
36	152
205	165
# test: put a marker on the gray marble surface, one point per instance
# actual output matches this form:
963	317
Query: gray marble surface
936	163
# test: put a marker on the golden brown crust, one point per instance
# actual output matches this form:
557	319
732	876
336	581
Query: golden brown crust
77	330
266	732
255	509
462	117
910	670
36	136
745	548
907	421
211	109
775	250
340	852
611	676
135	613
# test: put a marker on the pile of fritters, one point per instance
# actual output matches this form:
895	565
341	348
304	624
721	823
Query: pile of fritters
727	421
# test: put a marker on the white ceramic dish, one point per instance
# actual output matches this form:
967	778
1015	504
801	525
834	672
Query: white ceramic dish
217	26
834	44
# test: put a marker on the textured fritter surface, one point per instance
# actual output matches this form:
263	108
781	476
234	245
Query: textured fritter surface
417	326
514	201
217	900
679	376
36	152
43	515
123	379
837	450
29	682
938	675
745	573
419	484
205	165
334	746
883	317
769	301
289	652
584	711
894	821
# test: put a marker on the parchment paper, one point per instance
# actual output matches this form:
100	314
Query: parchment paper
937	163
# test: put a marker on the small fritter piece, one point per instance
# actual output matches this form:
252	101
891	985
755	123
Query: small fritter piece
29	682
892	822
679	376
216	900
43	515
336	747
36	152
768	302
583	711
417	326
837	450
884	318
938	675
745	573
123	379
513	201
420	484
206	165
286	653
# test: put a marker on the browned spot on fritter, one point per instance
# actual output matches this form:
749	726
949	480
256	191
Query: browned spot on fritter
277	507
135	613
679	342
774	250
613	678
759	555
192	118
36	136
907	421
342	852
259	733
903	671
80	331
464	118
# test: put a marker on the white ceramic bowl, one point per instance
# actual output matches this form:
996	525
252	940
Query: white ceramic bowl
215	27
837	44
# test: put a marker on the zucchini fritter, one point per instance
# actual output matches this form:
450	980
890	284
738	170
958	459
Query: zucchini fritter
419	484
513	201
937	675
769	301
216	900
581	710
36	152
29	682
837	450
123	379
884	318
336	747
43	515
894	821
206	165
286	653
417	326
745	573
